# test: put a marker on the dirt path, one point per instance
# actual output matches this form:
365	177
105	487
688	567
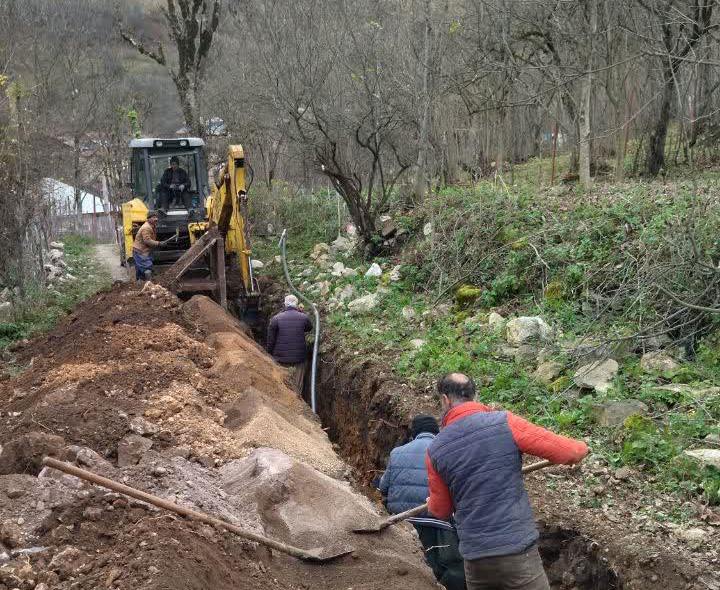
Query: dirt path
107	256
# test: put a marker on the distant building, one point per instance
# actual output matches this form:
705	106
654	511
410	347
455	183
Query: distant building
95	219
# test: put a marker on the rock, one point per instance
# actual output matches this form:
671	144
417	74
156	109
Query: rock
417	343
596	375
495	320
427	229
713	438
363	304
694	537
653	343
323	261
408	313
55	254
67	562
547	372
69	277
342	244
324	288
92	513
614	413
88	458
159	471
337	269
526	354
526	329
706	456
658	362
141	426
6	295
388	229
346	293
13	492
131	449
257	264
350	272
374	271
623	474
395	274
11	535
320	249
7	311
57	245
171	405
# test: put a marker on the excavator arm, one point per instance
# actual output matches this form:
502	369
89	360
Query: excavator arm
225	230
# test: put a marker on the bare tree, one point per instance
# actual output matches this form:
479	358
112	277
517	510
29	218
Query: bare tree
192	25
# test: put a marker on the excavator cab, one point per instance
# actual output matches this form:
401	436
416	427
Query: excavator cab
150	158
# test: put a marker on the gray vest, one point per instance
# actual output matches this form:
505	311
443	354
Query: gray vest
479	461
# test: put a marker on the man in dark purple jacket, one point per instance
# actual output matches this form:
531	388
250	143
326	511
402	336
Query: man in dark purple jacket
286	340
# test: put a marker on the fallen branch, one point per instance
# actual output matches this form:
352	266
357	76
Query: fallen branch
685	303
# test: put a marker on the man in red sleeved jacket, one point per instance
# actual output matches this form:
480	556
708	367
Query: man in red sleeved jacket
475	472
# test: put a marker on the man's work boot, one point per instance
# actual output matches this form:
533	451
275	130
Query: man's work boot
148	275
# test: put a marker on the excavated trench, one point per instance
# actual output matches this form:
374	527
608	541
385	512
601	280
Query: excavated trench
366	413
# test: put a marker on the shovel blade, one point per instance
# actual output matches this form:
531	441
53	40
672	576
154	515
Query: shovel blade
324	555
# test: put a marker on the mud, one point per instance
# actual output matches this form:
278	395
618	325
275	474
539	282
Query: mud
221	432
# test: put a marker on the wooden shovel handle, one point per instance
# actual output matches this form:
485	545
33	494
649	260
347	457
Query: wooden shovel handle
422	508
311	555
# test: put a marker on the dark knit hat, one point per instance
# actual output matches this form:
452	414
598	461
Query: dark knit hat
424	423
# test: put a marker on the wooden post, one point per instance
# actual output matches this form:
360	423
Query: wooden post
554	152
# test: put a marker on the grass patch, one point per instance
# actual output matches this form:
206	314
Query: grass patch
41	308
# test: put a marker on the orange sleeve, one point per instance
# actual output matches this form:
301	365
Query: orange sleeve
537	441
440	503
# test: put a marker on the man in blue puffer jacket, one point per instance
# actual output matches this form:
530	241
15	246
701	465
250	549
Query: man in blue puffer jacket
404	485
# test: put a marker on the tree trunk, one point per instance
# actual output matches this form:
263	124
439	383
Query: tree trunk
656	145
584	122
423	140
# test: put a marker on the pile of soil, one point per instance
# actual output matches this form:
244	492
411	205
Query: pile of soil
177	400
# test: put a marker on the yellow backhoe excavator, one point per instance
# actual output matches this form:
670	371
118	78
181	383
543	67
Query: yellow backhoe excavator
211	252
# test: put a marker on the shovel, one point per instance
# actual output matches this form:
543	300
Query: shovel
317	555
385	523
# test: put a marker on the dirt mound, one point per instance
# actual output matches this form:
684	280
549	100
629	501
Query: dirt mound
176	400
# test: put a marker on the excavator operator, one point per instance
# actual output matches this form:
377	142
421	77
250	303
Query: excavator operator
174	184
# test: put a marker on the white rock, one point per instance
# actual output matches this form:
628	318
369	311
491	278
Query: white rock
384	218
707	456
597	375
6	295
342	244
141	426
547	372
417	343
69	277
7	310
408	313
346	293
257	263
324	288
319	250
277	259
57	245
495	320
523	330
363	304
56	255
350	272
337	269
427	229
658	361
374	270
395	274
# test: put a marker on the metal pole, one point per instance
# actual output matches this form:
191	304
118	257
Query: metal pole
313	374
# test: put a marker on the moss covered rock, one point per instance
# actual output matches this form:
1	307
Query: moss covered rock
466	295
